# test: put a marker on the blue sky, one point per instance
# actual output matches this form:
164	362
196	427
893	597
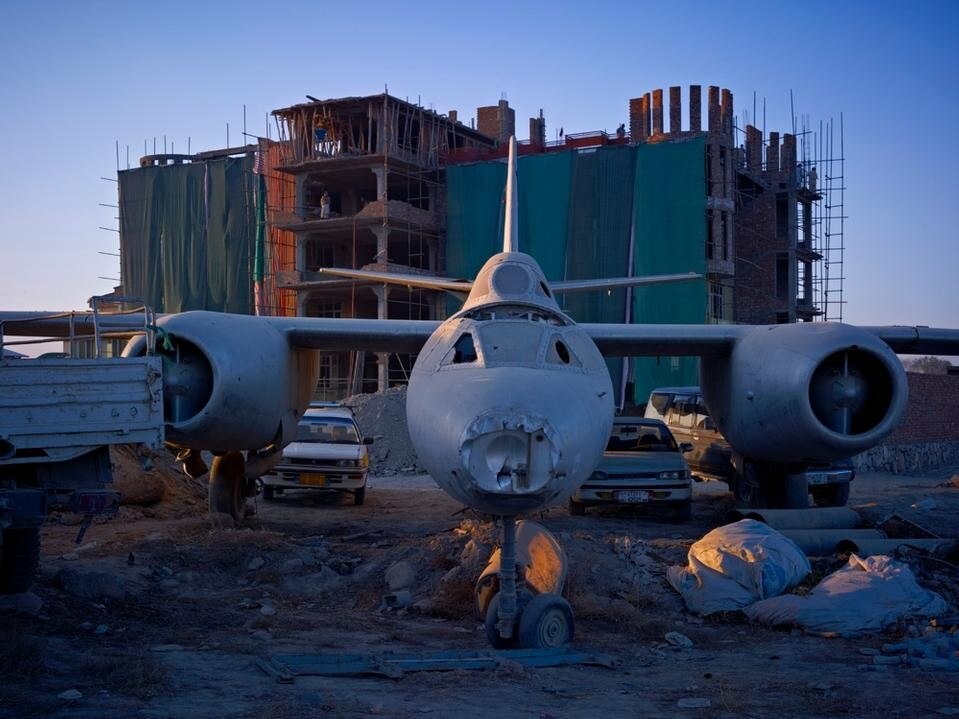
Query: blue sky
77	77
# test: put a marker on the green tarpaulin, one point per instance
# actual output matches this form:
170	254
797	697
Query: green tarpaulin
186	235
579	213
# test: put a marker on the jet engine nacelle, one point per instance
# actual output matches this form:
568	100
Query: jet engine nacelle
805	393
230	382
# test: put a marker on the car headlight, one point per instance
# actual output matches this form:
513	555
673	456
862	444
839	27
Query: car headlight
598	476
346	463
674	474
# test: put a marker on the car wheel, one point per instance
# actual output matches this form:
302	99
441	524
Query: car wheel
19	558
269	493
576	509
684	511
546	623
359	496
831	495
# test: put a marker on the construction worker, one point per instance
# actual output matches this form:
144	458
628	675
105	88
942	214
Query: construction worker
325	206
811	179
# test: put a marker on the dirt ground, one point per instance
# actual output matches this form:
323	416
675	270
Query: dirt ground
158	615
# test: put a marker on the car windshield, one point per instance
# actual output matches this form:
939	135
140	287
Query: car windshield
640	438
327	429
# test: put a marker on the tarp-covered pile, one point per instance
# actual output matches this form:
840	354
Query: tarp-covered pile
748	565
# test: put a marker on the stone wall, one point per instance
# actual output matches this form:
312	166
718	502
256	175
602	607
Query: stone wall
914	458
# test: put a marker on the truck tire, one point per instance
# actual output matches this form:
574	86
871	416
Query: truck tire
748	488
19	558
831	495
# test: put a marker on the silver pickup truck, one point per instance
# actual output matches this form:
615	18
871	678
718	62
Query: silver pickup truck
683	411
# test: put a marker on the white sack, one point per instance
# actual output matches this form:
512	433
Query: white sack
866	595
736	565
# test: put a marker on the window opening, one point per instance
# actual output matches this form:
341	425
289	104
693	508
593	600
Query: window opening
464	351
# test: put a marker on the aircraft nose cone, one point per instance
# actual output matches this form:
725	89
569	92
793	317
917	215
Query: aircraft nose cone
510	452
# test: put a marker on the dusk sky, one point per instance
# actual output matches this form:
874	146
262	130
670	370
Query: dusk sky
77	77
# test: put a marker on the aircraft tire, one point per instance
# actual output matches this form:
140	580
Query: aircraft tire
19	558
546	623
227	485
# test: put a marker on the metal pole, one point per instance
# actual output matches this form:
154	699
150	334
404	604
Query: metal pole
507	579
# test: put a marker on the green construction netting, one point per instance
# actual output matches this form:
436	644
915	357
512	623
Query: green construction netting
579	212
186	235
669	207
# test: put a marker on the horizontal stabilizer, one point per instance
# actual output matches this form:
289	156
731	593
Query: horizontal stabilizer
613	283
396	278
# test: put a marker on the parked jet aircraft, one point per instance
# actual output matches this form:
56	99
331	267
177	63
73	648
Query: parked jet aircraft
510	403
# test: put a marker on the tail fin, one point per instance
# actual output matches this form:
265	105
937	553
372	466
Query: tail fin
511	223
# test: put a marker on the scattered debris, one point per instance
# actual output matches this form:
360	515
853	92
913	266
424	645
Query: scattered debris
694	703
399	576
70	695
255	564
680	641
925	504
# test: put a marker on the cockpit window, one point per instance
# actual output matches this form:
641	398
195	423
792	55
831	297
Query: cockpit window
560	353
511	342
464	351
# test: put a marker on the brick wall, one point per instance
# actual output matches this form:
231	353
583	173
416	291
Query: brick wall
933	411
756	250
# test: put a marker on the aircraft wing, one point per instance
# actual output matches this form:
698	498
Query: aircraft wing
906	340
616	340
355	334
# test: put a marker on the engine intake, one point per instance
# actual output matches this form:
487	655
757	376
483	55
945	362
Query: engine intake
230	382
804	393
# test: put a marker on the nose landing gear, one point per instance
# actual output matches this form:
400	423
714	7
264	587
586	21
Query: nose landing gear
515	617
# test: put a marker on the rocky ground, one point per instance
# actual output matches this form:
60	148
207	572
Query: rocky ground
157	614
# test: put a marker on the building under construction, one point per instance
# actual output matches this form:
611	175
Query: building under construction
379	183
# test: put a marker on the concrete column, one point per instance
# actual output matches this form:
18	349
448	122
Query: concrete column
715	122
382	293
657	112
380	173
695	108
772	152
382	233
675	110
300	240
302	298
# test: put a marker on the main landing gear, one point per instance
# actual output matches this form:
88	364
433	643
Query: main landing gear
228	485
517	618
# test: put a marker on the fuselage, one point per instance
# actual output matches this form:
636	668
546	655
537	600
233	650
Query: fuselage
510	404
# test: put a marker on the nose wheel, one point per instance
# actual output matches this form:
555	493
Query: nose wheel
516	618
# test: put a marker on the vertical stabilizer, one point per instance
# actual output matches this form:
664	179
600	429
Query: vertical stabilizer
511	224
